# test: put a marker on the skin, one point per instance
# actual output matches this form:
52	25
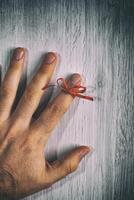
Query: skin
23	167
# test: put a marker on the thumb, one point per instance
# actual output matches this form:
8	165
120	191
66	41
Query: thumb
60	168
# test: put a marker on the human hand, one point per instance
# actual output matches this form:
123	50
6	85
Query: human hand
23	168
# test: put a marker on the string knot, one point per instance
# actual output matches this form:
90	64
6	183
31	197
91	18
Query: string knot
75	90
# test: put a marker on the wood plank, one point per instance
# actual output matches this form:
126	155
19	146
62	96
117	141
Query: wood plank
94	38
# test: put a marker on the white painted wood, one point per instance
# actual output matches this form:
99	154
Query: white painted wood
94	38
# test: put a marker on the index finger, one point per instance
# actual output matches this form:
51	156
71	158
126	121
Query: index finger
54	110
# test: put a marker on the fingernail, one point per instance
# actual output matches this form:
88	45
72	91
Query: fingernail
19	53
85	151
50	58
75	79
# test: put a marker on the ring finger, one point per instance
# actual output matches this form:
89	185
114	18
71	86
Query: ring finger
10	83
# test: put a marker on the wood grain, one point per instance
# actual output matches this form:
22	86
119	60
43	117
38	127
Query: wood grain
96	39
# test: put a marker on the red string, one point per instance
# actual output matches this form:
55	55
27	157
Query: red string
74	90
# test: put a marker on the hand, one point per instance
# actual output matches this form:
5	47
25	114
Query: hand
23	168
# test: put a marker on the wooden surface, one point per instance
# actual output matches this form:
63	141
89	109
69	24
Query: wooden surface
96	39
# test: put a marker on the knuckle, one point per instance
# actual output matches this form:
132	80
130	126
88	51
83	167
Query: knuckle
6	92
71	167
26	146
11	134
57	109
29	94
27	141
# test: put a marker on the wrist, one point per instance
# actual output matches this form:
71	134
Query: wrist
7	185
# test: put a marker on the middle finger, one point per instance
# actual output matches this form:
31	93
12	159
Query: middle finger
33	93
